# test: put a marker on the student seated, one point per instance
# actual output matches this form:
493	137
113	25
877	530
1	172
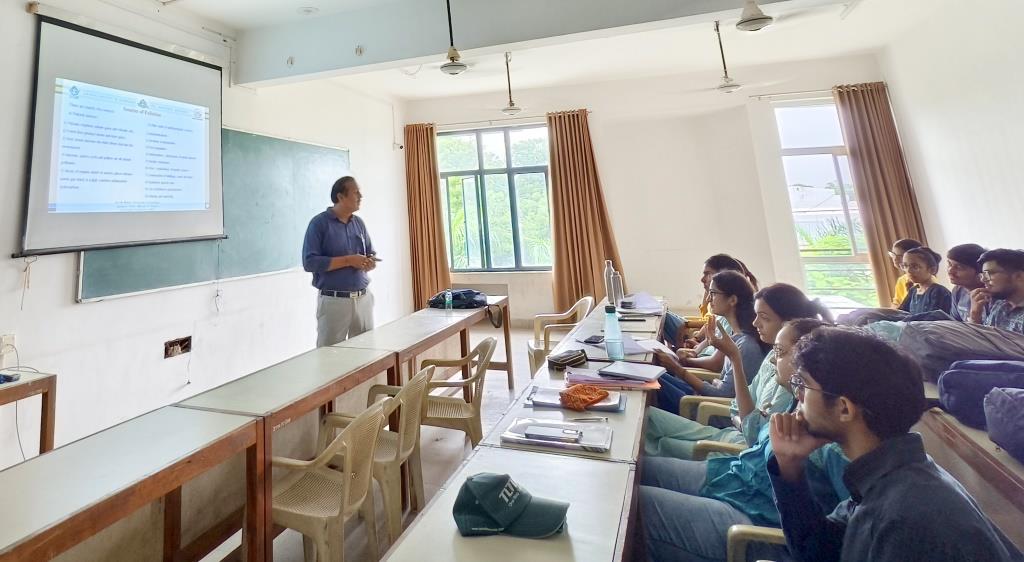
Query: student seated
783	313
732	297
673	331
859	392
926	295
965	275
687	507
902	287
1000	302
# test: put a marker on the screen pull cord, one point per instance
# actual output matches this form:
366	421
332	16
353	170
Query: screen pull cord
27	278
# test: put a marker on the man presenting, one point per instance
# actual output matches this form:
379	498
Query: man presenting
338	252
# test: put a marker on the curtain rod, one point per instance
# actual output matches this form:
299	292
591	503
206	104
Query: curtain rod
491	121
783	94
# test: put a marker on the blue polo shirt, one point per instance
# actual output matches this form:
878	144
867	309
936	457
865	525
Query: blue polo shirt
327	237
1002	314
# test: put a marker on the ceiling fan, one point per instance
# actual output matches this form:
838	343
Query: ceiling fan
752	18
727	85
454	65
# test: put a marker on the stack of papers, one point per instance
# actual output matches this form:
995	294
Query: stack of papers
643	305
548	398
575	375
633	371
593	437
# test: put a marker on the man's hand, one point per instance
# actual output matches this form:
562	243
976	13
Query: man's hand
792	444
979	299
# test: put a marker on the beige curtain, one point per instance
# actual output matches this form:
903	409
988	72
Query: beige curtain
582	233
430	273
885	193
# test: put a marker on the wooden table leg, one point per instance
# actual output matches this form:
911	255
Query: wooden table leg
172	524
464	347
266	486
254	523
507	326
47	415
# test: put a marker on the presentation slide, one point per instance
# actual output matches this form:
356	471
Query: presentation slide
117	151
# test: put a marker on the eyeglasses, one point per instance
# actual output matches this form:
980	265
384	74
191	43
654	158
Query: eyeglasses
988	274
800	386
911	267
714	292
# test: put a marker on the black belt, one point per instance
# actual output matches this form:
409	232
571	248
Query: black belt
343	294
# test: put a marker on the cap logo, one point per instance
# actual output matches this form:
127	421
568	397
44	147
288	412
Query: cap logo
509	493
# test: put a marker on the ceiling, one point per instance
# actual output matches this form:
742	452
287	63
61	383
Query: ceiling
250	14
815	33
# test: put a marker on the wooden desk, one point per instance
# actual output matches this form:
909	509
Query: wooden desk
600	496
54	501
30	384
471	317
288	390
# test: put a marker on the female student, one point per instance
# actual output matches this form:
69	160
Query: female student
688	506
926	294
673	330
732	298
675	436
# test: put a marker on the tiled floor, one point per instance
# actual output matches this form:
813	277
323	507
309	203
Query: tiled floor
443	451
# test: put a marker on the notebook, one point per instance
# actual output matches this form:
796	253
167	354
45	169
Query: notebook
593	437
633	371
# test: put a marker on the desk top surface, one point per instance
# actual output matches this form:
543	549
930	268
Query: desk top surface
595	490
47	489
26	378
405	333
277	386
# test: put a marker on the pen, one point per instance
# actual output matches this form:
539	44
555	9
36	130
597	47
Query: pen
589	419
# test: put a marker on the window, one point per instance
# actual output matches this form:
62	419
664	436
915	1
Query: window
494	194
826	215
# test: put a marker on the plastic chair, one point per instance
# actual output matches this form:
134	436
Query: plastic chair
394	448
453	412
316	499
540	346
690	405
703	448
739	538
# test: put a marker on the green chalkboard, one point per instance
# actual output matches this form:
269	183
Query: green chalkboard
272	187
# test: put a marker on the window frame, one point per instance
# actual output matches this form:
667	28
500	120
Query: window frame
479	174
835	151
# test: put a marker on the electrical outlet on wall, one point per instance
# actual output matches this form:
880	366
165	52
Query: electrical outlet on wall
7	356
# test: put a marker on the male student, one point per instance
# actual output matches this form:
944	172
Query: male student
965	275
1002	270
338	252
863	394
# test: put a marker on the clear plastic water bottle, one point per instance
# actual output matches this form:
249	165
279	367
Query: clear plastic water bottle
448	299
612	334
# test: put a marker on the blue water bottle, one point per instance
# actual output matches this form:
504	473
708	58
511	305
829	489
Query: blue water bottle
448	299
612	334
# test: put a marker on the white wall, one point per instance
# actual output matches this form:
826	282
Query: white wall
958	103
108	355
685	173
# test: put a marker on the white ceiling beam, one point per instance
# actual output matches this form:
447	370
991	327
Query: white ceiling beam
394	34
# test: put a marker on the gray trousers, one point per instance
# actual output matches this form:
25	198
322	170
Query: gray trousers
340	318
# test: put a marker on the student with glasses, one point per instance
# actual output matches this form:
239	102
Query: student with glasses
965	275
1000	302
670	435
859	392
687	507
732	297
902	287
926	294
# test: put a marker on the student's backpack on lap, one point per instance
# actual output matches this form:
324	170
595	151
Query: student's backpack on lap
1004	414
963	387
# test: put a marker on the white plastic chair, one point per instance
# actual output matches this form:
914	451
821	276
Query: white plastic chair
543	324
394	447
316	499
453	412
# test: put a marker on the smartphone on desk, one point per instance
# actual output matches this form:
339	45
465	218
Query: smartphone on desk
594	340
545	433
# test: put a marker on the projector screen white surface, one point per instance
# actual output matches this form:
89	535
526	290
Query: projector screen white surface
125	145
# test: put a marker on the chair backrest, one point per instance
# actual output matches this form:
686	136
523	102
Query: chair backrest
582	308
411	399
482	353
358	442
575	314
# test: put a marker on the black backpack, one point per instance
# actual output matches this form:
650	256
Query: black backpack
468	298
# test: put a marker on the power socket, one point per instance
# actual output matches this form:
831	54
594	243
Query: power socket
6	349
